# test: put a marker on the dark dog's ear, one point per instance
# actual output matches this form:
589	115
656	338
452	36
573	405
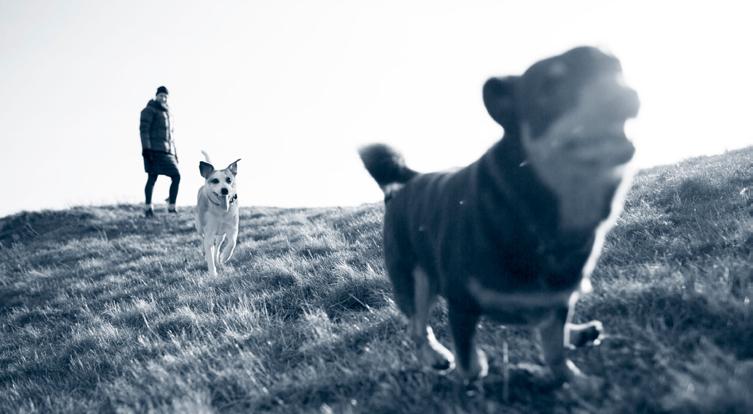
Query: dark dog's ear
499	98
205	169
234	167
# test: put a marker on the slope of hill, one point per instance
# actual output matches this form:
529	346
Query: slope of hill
101	310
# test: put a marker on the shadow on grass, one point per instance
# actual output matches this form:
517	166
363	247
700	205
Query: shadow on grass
682	320
356	296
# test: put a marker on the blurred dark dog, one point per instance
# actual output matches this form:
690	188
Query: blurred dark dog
516	234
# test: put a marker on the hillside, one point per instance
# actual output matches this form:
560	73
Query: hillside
103	311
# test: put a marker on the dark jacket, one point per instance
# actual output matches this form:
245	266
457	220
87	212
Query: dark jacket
156	128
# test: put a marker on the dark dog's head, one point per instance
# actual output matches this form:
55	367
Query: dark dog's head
220	183
575	103
569	112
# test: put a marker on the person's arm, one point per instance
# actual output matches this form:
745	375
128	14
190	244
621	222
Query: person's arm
172	141
144	126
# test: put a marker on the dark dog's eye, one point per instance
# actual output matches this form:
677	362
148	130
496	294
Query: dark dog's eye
214	181
558	70
553	79
228	180
550	85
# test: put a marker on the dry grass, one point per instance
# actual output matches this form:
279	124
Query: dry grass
102	311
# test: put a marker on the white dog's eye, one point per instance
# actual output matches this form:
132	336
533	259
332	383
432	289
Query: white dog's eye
214	181
228	180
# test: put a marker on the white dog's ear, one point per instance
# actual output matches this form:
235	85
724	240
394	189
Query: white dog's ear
234	167
499	99
206	169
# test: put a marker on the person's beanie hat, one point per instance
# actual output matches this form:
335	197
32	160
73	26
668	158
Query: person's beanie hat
162	89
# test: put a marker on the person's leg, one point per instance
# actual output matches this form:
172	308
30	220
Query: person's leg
152	178
173	192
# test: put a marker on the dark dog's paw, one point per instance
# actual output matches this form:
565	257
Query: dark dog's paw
473	389
588	334
480	365
435	355
442	365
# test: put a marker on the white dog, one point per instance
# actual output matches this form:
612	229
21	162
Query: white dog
217	215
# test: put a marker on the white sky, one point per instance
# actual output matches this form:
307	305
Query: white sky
294	87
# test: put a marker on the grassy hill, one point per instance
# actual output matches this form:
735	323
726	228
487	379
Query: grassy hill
101	310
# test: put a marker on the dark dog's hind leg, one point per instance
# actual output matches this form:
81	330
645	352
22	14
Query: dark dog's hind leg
430	351
400	272
415	295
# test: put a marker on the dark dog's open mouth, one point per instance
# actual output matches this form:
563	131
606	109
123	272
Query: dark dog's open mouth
600	146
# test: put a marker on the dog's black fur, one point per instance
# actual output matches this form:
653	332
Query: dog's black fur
495	229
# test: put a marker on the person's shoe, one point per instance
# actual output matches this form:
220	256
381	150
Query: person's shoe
171	208
149	213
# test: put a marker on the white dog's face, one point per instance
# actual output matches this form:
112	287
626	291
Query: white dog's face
220	183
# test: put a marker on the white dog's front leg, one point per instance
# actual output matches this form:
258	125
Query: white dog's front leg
229	247
218	242
209	254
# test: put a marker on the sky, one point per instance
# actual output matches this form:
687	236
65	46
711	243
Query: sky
294	87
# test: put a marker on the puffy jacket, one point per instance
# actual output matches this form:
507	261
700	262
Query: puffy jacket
156	128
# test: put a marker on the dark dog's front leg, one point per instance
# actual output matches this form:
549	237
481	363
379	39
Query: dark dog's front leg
552	332
470	360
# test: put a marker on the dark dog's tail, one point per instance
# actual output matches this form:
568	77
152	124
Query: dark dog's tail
386	166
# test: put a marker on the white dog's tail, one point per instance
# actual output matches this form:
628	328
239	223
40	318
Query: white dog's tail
206	156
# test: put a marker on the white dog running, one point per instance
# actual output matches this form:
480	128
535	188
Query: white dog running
217	213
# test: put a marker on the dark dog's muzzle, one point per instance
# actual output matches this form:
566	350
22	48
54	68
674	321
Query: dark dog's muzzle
613	100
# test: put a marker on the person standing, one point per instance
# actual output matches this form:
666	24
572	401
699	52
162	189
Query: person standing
158	148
